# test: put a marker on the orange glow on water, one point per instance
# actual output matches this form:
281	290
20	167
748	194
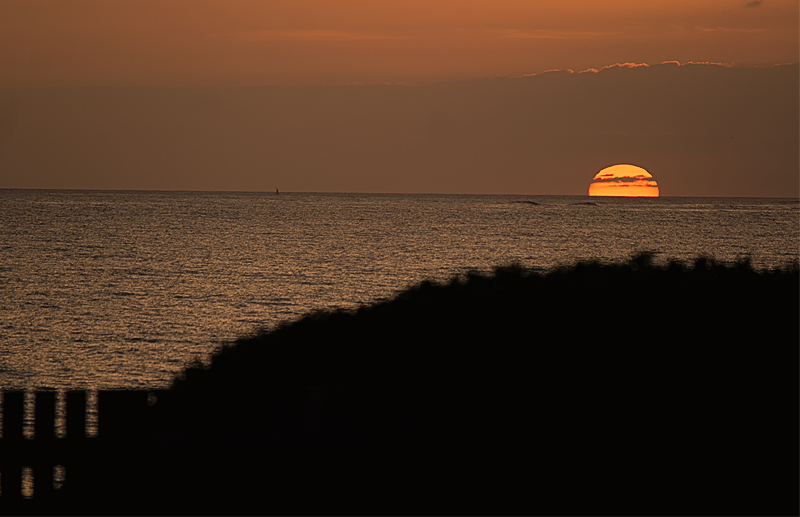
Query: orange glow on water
623	181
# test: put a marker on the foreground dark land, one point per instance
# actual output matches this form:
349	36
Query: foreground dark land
599	390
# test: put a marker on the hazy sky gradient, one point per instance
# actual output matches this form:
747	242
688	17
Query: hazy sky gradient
253	94
255	42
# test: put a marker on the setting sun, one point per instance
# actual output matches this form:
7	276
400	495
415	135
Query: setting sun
623	180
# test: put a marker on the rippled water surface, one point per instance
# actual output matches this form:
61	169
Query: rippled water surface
123	289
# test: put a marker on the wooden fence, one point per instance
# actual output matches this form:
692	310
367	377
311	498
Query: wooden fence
65	463
141	448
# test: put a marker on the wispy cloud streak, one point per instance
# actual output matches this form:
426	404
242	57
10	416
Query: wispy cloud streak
615	65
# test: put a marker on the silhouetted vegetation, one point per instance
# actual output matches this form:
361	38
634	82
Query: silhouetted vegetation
592	389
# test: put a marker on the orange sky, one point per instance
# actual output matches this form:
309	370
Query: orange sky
254	94
248	42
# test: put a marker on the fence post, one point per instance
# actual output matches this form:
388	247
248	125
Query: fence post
13	415
76	415
10	459
75	454
44	452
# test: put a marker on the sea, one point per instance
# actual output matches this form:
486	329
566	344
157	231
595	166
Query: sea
124	289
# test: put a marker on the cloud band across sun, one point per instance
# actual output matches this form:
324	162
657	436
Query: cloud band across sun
624	181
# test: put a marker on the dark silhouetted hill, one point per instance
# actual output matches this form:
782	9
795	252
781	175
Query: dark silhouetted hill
594	389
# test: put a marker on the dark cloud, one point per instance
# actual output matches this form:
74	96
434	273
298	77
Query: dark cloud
754	3
622	179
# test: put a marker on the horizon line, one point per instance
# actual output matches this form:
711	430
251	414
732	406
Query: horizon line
272	193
